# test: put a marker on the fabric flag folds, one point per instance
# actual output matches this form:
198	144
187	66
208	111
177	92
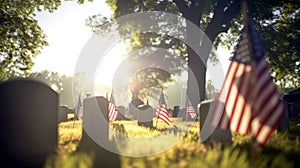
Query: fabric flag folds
79	109
249	102
190	109
112	109
161	110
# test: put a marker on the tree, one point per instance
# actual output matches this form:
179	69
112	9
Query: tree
221	22
282	42
145	83
211	91
21	38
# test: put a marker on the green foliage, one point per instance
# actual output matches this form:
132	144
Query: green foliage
149	82
21	38
281	36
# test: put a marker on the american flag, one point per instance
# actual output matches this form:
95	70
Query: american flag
112	109
249	102
161	110
79	109
190	109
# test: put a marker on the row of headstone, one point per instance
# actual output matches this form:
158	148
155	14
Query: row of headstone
28	130
29	126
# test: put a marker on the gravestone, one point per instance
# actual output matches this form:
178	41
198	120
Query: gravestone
121	115
28	127
62	114
284	123
95	133
133	107
183	114
207	131
176	111
145	116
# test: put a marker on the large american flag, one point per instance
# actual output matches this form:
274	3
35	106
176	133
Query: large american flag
190	109
112	109
161	110
79	109
249	102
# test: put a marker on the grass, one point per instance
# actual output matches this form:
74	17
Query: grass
282	150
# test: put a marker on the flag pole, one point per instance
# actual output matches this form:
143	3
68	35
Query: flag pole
74	117
157	115
186	106
255	146
157	118
162	89
75	112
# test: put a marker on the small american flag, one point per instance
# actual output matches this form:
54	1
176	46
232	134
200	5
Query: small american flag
249	102
190	109
79	109
112	109
161	110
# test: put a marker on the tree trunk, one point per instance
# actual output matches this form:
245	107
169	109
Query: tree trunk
197	61
134	94
135	98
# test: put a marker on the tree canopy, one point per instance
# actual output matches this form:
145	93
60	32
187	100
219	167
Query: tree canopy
221	20
21	37
281	37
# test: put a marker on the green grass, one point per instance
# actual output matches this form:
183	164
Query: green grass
282	150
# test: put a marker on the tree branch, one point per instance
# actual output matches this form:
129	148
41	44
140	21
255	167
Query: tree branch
183	7
221	20
141	2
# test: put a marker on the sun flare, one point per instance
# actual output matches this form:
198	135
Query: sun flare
107	68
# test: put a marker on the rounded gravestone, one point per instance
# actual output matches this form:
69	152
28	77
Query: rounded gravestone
121	115
145	116
95	133
28	127
62	114
176	111
207	131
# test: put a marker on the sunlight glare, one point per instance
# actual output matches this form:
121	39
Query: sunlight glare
107	68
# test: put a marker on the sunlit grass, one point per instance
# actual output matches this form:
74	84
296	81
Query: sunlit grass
69	135
282	150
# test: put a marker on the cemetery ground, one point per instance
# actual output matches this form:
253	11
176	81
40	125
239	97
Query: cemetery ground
282	150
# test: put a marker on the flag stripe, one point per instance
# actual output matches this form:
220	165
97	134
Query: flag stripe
112	109
216	115
80	113
239	102
190	109
79	110
228	91
113	112
161	110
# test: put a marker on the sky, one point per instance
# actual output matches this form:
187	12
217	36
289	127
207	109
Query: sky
67	34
